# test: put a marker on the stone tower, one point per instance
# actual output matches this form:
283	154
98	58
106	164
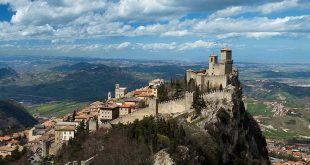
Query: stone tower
226	61
116	86
213	64
120	91
109	96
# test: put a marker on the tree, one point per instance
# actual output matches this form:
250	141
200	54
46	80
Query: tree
191	85
73	115
81	127
162	93
198	101
178	90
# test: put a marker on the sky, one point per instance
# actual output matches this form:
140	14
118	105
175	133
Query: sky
267	31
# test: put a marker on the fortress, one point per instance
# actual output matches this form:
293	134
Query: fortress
218	78
217	74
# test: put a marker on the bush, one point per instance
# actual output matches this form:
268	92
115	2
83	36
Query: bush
223	115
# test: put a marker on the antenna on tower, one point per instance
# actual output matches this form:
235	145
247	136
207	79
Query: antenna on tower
212	52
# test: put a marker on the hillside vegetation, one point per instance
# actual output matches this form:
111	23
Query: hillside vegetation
14	117
56	109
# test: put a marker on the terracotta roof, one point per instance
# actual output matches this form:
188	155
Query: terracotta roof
133	99
97	103
48	124
8	148
66	128
109	106
82	117
201	71
137	92
145	95
5	138
14	141
45	137
126	106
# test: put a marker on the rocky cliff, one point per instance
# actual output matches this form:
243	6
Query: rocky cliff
223	133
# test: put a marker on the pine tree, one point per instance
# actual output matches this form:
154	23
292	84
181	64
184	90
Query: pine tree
178	90
162	93
198	101
73	115
191	85
81	127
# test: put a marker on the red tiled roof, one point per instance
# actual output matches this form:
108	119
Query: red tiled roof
5	138
14	141
7	148
126	106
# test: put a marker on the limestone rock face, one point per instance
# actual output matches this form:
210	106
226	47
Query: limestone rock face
237	134
162	158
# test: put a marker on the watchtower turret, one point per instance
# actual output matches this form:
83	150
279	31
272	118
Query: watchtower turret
212	61
226	60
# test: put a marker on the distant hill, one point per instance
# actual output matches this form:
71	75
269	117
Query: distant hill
14	117
7	72
84	66
77	82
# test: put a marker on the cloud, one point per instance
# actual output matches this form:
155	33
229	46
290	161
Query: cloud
198	44
64	46
65	21
179	46
178	33
158	46
278	6
41	12
266	8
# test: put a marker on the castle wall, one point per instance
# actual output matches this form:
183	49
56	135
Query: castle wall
218	95
215	69
172	106
215	81
190	75
139	114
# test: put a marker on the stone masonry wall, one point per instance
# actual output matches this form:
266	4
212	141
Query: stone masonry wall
172	106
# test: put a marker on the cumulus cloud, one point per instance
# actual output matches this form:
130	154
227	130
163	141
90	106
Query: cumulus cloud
65	46
266	8
64	21
178	33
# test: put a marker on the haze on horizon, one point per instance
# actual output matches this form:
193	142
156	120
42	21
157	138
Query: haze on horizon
274	31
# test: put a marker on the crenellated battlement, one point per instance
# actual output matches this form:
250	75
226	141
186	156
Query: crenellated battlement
217	74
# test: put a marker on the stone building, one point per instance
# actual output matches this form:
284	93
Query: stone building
125	109
135	102
92	125
108	113
120	92
64	131
218	72
95	106
7	150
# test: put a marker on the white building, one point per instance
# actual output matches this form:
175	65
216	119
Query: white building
64	131
120	92
157	82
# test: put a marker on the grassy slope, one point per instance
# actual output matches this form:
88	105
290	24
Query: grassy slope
259	108
57	109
